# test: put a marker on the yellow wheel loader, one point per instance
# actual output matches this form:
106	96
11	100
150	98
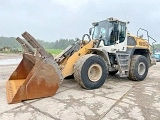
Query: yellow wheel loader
109	49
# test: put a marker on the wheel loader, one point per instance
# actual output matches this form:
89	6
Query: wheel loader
107	49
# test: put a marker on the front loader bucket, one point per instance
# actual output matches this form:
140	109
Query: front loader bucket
36	76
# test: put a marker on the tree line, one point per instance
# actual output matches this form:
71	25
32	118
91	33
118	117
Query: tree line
58	44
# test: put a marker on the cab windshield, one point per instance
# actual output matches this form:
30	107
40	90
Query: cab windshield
104	31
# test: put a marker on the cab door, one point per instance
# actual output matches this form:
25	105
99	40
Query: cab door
121	43
117	38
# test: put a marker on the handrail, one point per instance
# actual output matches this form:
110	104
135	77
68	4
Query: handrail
143	30
149	37
154	41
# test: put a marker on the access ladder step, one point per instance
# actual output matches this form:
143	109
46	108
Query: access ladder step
123	65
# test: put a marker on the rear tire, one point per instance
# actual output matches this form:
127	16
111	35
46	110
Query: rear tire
90	71
138	68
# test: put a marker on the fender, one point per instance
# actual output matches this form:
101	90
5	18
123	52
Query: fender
103	53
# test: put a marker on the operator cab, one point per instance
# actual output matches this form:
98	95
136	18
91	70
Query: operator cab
112	33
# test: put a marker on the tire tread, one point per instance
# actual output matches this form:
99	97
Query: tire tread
134	59
78	67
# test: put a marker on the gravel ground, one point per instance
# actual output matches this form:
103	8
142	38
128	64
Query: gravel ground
117	99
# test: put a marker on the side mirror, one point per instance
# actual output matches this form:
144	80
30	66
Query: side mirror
90	31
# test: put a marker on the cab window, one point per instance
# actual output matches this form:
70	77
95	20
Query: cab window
122	32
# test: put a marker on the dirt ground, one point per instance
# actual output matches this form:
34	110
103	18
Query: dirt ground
9	56
117	99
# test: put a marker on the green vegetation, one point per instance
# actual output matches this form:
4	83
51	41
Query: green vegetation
58	44
9	42
54	51
52	47
157	47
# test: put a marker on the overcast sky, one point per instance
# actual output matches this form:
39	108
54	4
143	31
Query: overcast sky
50	20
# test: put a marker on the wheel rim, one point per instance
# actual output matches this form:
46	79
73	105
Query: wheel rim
95	72
141	68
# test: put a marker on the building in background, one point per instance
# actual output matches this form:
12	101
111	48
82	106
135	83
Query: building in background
6	49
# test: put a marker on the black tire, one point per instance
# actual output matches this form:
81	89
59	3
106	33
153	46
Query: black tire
83	74
138	68
113	72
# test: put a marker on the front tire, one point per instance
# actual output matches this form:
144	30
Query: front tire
138	68
90	71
